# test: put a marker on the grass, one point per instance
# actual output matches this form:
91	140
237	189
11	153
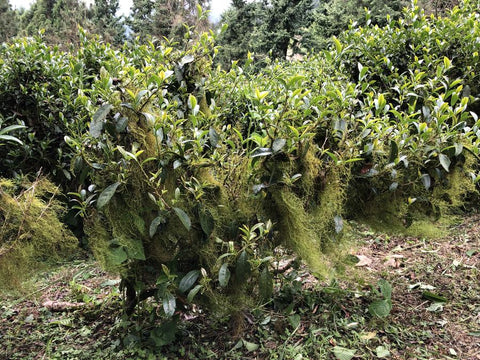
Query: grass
307	319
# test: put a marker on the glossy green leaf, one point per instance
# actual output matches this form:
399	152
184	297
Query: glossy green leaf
121	124
10	138
154	225
242	267
213	135
444	161
278	145
169	304
426	180
192	293
96	125
207	222
106	195
187	59
261	152
184	218
224	275
188	280
11	128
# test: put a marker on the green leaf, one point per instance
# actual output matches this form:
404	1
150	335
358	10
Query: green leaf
121	124
338	45
278	144
472	252
342	353
426	180
250	346
213	137
117	255
193	292
294	320
135	250
393	186
11	128
385	288
188	280
106	195
380	308
206	221
224	275
265	284
182	215
262	152
192	102
458	149
393	151
187	59
382	352
154	225
434	297
444	161
291	83
10	138
169	304
165	333
96	125
242	267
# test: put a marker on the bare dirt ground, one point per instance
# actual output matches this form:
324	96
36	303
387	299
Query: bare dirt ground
75	312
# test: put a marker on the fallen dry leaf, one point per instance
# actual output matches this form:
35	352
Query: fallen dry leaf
62	305
363	260
391	262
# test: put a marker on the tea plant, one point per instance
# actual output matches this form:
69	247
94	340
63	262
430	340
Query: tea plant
188	178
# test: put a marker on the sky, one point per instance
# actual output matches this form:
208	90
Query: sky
216	9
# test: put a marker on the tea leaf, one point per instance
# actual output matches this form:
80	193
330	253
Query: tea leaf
106	195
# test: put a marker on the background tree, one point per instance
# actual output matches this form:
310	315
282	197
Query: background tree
164	18
236	40
283	25
8	21
437	6
264	27
58	18
333	16
105	21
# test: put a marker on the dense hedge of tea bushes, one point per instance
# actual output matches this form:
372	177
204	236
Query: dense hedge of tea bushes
187	178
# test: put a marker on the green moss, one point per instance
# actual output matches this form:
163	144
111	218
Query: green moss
31	235
295	228
458	186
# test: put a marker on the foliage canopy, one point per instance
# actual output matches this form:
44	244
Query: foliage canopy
188	177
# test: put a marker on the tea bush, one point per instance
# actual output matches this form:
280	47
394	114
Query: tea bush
188	177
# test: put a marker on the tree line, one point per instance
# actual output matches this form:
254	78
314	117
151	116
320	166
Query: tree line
268	28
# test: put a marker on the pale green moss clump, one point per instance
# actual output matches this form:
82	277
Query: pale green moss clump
31	234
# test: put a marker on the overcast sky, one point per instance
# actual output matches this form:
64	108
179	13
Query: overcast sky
217	7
